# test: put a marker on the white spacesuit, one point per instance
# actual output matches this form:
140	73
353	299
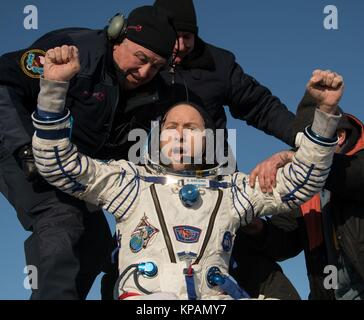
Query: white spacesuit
176	232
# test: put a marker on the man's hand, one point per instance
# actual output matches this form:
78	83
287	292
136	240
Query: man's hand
61	63
326	88
266	171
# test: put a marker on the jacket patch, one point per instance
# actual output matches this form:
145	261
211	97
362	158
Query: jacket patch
186	255
32	63
142	235
227	241
187	234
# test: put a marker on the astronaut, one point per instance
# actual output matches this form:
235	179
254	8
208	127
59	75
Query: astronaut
176	220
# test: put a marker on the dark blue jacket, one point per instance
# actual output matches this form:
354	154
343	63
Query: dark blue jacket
214	79
103	113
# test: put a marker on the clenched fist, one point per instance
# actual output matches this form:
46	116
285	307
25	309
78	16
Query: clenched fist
61	63
326	88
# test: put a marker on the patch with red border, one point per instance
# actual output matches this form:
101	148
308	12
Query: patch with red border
32	63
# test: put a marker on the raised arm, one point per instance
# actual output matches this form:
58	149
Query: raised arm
302	178
113	185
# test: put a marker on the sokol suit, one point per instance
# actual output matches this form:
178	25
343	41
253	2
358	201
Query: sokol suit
153	225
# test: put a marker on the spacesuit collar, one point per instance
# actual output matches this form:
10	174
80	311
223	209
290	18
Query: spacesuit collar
159	169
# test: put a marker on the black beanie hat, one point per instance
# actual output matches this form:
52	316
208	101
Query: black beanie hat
152	28
209	122
183	13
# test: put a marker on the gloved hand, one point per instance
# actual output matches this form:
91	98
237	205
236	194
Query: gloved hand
61	65
26	160
326	88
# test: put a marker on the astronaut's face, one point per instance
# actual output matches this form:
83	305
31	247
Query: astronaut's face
182	137
139	64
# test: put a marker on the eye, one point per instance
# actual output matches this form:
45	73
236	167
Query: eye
143	59
192	128
170	126
187	36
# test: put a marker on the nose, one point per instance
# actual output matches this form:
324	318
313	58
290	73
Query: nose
179	137
181	44
145	71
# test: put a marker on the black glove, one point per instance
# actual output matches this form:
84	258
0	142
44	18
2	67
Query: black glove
26	160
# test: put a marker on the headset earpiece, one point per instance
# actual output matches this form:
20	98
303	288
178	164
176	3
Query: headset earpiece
116	30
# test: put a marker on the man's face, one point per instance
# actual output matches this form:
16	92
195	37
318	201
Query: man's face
182	135
185	43
139	64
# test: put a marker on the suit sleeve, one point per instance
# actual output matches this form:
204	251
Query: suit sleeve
346	178
113	185
297	181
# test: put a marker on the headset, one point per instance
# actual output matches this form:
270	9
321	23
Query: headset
116	30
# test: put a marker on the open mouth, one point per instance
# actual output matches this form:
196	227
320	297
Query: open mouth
177	151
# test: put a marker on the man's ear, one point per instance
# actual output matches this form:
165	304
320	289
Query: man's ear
341	133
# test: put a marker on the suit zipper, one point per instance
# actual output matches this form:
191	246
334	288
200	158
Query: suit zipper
210	227
162	223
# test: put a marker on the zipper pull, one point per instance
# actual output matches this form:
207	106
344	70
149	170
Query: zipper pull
172	71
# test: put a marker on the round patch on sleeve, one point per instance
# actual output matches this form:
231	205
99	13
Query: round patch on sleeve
32	63
227	241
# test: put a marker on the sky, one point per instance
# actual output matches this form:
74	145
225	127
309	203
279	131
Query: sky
278	42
